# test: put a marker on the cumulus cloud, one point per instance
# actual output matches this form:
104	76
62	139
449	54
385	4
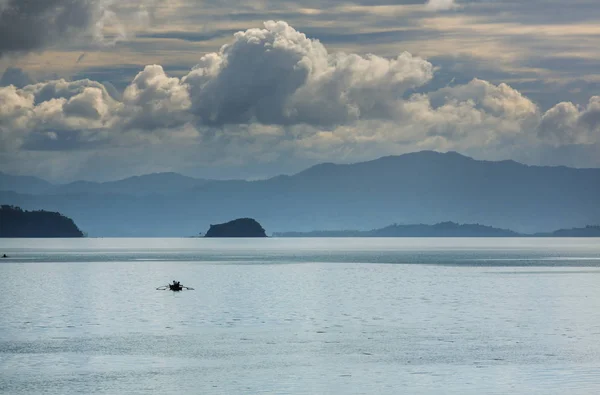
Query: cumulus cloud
277	75
35	24
565	124
154	100
55	111
500	100
273	93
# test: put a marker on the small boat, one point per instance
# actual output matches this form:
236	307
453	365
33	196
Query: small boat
175	287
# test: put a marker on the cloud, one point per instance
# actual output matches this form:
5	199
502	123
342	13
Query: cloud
154	100
54	112
566	124
273	94
17	77
499	100
277	75
437	5
35	24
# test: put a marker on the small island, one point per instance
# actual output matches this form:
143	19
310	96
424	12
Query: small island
241	227
15	222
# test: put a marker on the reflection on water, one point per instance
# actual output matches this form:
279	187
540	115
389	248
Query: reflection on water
418	316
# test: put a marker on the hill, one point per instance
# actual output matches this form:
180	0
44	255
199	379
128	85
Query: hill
422	187
241	227
15	222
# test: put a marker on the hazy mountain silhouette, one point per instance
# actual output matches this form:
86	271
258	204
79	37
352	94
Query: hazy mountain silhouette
425	187
24	184
588	231
151	184
442	229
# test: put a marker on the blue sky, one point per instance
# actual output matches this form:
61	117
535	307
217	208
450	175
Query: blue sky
100	89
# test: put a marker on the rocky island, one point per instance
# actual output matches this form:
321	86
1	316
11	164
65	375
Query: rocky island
15	222
241	227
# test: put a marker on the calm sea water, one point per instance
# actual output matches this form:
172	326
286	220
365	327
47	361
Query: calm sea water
300	316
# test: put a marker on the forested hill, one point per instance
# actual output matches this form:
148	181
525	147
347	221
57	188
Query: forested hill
15	222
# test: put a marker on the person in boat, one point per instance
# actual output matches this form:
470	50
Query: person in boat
176	285
4	256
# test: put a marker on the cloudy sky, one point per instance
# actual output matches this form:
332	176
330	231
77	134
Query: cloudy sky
105	89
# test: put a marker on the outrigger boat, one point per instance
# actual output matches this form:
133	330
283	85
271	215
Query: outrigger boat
176	287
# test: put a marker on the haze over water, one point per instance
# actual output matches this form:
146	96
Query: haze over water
301	316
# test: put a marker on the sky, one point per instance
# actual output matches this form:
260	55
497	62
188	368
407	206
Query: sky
105	89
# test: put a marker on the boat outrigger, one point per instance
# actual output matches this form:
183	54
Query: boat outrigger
176	287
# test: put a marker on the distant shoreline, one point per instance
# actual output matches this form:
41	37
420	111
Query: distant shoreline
442	230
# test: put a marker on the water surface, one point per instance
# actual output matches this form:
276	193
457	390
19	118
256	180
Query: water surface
301	316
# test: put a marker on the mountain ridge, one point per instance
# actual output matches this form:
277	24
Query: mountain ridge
421	187
318	165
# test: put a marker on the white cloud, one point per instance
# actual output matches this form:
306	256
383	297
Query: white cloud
154	100
566	124
273	93
437	5
277	75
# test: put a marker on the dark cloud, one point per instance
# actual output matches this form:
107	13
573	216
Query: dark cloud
17	77
27	25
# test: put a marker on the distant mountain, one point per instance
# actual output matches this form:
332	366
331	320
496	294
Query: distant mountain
15	222
442	229
151	184
325	233
24	184
424	187
588	231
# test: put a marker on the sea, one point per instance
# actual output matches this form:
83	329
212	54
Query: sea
300	316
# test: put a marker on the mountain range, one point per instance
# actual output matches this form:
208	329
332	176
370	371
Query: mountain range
423	187
150	184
